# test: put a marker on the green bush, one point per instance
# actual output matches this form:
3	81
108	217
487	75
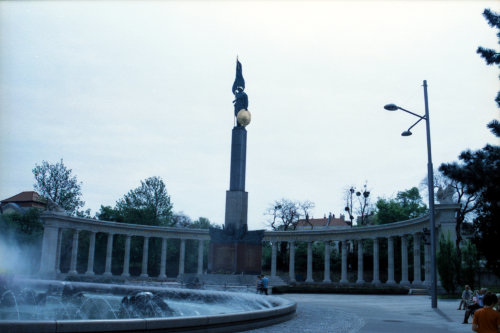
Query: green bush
470	264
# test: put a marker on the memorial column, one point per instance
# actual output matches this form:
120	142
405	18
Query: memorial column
90	261
200	257
74	252
390	261
163	260
309	262
274	248
404	261
291	269
182	256
327	263
427	253
109	255
360	262
417	278
376	265
343	274
145	255
126	257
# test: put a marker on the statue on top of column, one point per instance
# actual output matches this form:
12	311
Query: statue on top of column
241	98
445	194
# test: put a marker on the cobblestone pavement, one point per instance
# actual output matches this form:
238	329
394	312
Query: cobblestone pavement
370	314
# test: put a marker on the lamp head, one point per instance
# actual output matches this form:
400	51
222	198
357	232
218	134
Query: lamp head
406	133
391	107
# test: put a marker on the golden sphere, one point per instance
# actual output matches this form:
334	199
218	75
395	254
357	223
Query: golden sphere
243	117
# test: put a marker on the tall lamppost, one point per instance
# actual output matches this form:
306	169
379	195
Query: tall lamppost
430	184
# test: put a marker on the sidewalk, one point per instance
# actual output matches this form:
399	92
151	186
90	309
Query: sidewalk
371	314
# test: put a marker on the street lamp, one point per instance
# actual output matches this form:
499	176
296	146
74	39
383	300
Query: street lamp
430	184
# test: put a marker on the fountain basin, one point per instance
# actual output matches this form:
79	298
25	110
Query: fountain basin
272	310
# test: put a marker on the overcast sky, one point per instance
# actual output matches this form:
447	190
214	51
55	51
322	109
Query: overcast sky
126	90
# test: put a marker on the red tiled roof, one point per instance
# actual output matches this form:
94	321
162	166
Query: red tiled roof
27	199
334	222
28	196
313	222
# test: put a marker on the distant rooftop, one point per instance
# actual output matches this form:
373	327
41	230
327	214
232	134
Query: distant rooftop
26	199
325	223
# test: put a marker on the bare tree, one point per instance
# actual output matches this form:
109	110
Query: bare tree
349	202
364	208
285	213
306	207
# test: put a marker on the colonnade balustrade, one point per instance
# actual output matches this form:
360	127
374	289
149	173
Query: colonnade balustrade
350	246
55	224
344	248
348	242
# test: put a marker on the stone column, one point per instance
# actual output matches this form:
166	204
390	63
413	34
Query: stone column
126	257
417	278
145	255
390	261
200	257
309	262
291	268
237	198
274	250
49	250
90	262
376	266
360	262
404	261
74	252
327	263
343	278
427	254
58	253
163	260
182	256
109	255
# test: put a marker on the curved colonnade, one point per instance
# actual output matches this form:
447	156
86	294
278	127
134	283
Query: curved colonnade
341	238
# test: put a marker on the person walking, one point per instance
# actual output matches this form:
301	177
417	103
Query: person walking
466	298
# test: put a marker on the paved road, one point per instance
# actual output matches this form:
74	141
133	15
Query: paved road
370	314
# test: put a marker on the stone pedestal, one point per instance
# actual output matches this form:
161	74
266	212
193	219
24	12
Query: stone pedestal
235	253
236	210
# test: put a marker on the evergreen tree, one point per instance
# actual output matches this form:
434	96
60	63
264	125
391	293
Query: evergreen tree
448	264
480	171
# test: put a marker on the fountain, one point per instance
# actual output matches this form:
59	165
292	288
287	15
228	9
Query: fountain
58	306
